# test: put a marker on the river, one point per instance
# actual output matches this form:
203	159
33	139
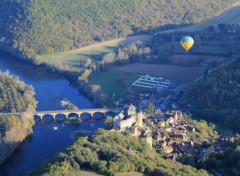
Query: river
50	90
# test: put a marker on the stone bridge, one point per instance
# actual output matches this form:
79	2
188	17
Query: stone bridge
66	113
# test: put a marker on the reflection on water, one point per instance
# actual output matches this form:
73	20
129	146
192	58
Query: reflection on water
50	88
43	144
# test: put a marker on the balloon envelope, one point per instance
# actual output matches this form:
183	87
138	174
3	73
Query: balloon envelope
187	42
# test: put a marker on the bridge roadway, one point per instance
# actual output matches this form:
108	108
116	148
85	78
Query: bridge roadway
64	112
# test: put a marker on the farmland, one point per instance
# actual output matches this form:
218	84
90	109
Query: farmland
206	59
95	51
163	70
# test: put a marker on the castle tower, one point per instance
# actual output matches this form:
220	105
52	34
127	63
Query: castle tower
139	119
180	116
176	116
148	139
131	110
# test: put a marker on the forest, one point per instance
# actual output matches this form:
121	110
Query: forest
15	96
216	97
109	153
36	27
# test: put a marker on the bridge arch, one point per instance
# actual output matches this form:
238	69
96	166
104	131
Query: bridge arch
73	115
60	117
48	118
110	113
86	116
98	115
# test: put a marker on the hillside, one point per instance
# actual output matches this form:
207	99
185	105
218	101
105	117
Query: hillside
230	16
36	27
111	152
216	96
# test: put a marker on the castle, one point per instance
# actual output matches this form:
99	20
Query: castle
132	121
124	120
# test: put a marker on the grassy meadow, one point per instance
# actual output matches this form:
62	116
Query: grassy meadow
114	83
73	58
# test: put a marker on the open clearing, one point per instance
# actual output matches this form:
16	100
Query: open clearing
207	59
228	16
114	83
163	70
95	51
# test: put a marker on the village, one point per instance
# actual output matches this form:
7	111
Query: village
168	132
168	128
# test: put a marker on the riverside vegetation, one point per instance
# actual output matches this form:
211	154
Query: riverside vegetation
15	96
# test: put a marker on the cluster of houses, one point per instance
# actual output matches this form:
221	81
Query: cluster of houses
172	135
173	138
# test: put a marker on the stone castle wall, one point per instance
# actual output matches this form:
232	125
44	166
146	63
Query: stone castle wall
125	123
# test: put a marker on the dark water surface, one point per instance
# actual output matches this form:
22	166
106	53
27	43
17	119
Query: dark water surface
50	90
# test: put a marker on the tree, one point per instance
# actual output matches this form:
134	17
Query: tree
108	124
151	109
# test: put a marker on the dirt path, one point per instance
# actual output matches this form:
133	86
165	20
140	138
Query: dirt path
111	42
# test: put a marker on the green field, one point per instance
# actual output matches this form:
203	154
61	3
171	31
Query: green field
73	58
112	83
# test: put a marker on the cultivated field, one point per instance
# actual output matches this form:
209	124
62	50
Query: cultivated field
95	51
207	59
162	70
229	16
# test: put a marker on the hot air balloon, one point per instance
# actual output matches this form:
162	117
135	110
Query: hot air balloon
187	42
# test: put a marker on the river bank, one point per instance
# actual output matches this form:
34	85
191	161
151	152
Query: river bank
10	141
71	76
51	88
